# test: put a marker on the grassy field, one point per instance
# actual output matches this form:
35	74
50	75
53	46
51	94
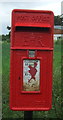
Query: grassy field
55	112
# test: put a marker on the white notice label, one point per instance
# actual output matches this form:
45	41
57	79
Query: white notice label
31	75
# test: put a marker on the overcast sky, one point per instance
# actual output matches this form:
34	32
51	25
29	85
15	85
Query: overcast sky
7	7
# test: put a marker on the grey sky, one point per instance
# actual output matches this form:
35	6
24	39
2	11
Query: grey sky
7	7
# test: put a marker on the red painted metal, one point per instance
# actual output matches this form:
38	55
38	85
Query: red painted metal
31	30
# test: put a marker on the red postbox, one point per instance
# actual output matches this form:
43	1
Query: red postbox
31	60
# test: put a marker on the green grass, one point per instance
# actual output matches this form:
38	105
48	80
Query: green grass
55	112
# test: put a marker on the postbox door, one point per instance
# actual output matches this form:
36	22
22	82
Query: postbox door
37	99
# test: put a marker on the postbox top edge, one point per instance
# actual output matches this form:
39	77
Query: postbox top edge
30	10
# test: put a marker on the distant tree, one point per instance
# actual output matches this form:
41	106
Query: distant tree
57	20
3	37
9	28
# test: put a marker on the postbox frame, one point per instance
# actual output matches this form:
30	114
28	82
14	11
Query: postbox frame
15	49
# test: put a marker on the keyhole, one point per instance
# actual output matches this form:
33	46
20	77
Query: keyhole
19	78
